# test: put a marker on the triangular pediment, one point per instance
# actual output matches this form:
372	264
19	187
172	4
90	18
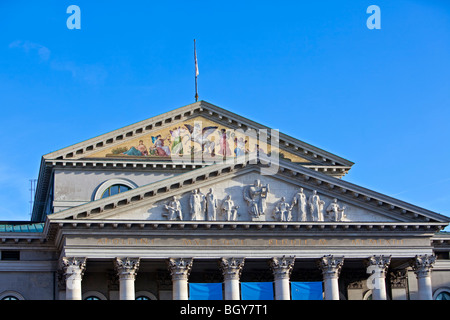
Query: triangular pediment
173	134
166	140
153	202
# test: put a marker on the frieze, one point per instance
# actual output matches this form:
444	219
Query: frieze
255	197
244	242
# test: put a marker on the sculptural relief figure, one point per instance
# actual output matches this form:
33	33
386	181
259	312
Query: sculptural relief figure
335	212
282	210
211	206
195	203
316	206
173	209
300	201
229	210
256	196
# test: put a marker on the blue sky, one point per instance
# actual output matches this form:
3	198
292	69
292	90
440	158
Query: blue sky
312	69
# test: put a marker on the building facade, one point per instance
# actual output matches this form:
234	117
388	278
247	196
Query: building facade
200	195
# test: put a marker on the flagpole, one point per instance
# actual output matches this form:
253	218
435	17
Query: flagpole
196	72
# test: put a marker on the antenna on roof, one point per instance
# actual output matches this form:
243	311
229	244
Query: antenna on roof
196	72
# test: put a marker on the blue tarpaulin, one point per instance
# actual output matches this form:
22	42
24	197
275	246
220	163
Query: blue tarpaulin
306	290
257	290
205	291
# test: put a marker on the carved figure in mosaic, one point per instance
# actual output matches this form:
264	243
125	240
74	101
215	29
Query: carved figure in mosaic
177	139
282	211
142	148
300	201
239	144
256	196
335	212
173	209
316	206
225	149
229	210
211	206
159	147
200	135
195	203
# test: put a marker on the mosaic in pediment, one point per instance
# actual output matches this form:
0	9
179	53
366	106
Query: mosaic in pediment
196	138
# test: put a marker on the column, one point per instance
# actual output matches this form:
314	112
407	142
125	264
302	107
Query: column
282	268
180	269
73	268
331	268
231	270
126	269
422	266
377	266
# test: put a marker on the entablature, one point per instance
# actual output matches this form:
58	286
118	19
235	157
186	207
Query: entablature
206	175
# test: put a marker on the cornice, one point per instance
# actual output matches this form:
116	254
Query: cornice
163	189
312	228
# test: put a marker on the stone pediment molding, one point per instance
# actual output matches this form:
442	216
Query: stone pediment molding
85	155
316	156
401	212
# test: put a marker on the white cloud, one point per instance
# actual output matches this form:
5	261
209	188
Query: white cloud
91	74
28	46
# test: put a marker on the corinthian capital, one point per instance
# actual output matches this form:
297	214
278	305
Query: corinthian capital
127	267
422	265
331	266
232	268
378	264
73	266
180	268
282	267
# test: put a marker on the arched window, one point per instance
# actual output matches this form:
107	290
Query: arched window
115	189
11	295
94	295
113	186
442	294
145	295
10	298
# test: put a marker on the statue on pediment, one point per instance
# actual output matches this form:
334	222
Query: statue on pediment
173	209
256	196
282	211
300	201
335	212
195	203
229	210
211	206
316	207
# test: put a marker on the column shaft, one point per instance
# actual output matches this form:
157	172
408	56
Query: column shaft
126	270
73	271
422	266
377	266
180	269
331	268
282	269
231	270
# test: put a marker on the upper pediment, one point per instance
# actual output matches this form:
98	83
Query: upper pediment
177	134
275	199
